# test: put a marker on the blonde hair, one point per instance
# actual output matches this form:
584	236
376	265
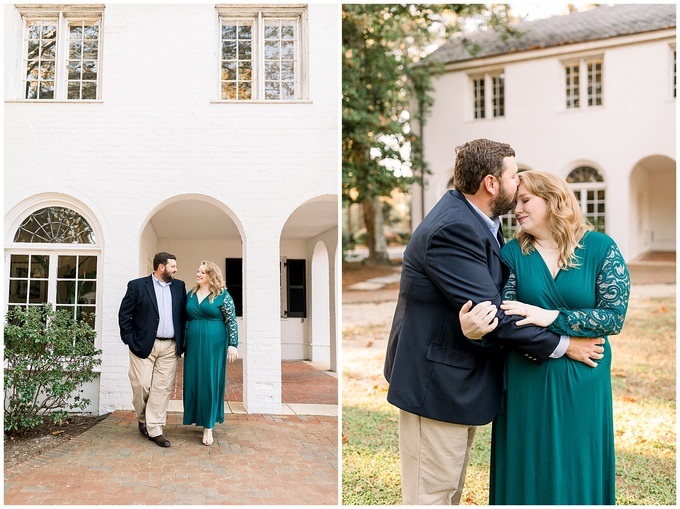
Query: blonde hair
216	281
565	218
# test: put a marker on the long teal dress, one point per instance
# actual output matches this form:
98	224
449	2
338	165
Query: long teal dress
553	439
207	337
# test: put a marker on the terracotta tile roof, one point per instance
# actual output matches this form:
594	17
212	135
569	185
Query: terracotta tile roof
596	24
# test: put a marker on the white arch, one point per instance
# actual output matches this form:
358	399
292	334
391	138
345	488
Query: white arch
24	208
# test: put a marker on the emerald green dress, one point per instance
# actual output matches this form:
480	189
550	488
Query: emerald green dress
206	339
553	439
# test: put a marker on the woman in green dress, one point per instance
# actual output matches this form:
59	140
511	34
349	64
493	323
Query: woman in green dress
553	438
211	338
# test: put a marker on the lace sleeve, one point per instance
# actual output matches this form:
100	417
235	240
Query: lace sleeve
510	289
229	314
612	293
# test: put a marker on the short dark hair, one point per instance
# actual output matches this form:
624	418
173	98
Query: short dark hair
475	160
162	259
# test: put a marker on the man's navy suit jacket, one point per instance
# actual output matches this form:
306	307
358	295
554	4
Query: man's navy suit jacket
434	371
138	316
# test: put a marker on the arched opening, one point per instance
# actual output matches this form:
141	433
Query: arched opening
307	285
196	228
652	225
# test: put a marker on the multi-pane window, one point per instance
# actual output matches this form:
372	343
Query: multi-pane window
595	83
498	82
61	53
479	99
572	86
261	54
590	88
57	265
674	72
484	101
589	188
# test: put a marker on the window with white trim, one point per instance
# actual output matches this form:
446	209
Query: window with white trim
262	53
675	67
576	88
54	258
589	188
493	102
61	52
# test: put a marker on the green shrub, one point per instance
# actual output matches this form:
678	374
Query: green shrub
48	357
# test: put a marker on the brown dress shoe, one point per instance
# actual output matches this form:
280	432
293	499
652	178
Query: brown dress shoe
160	440
142	429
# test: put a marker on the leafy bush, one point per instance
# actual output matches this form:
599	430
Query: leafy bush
48	356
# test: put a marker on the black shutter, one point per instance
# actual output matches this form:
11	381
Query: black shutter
297	289
233	277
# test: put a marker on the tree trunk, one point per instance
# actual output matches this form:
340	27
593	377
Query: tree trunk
375	233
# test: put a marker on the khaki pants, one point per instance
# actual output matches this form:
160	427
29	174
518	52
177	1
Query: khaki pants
434	457
152	379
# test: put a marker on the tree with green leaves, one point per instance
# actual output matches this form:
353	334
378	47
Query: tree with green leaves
385	87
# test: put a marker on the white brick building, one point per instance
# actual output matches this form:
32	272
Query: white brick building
589	96
209	131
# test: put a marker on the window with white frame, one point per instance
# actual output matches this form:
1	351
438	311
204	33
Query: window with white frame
54	258
589	187
576	88
61	52
262	52
674	70
494	101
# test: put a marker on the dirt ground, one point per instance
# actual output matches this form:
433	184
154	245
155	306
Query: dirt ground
19	448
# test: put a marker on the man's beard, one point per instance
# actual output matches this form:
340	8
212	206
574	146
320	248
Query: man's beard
167	276
504	203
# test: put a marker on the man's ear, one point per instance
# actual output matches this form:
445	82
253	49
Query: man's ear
488	184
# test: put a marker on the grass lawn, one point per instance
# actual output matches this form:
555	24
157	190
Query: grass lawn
644	384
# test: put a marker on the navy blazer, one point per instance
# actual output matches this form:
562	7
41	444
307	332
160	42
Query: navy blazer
434	371
138	316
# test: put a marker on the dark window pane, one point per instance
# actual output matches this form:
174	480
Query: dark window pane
66	292
66	268
87	267
40	265
38	292
18	266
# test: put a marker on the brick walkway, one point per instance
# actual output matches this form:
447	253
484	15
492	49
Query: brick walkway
256	459
297	379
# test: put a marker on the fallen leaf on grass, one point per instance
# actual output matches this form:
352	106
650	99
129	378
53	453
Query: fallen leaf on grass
629	399
344	439
358	488
662	309
369	344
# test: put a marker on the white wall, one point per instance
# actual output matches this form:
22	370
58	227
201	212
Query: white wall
157	133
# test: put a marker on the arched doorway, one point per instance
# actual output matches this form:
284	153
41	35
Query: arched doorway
652	225
309	242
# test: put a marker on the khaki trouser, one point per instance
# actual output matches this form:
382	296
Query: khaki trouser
434	457
152	379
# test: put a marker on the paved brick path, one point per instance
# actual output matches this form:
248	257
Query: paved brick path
256	459
300	383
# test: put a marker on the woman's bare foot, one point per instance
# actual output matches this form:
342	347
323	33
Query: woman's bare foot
207	436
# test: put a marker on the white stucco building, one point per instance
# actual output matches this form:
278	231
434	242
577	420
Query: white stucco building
589	96
208	131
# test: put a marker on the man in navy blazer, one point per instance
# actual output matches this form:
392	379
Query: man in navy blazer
444	384
152	317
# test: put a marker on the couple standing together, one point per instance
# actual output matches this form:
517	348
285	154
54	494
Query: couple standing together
532	355
159	322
